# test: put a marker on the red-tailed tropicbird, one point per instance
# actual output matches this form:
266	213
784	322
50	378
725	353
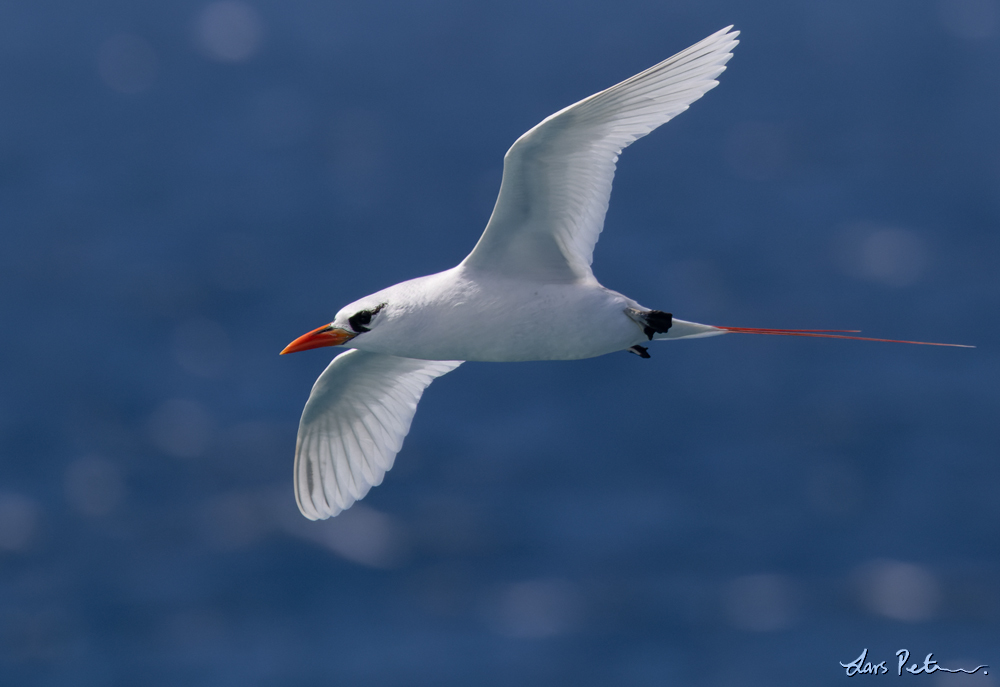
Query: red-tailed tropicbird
525	292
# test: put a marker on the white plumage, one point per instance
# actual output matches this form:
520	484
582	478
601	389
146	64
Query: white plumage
353	426
526	292
557	176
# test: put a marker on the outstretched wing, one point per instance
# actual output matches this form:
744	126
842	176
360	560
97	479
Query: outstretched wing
557	176
353	426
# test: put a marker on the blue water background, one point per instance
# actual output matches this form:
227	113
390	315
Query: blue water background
185	187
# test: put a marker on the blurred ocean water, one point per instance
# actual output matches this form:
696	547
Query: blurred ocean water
185	187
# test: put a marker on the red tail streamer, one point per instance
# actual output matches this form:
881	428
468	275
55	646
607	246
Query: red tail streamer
817	333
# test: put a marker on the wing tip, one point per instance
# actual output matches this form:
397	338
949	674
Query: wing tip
730	35
308	507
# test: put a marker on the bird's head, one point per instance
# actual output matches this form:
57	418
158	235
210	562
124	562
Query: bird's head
355	319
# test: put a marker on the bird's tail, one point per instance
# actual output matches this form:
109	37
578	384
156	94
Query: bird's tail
826	334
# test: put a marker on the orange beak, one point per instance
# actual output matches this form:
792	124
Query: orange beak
327	335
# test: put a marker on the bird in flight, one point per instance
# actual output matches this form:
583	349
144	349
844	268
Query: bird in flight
525	292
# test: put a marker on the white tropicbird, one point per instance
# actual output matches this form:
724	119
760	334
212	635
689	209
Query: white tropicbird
525	292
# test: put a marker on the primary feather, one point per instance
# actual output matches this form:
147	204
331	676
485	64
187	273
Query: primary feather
557	177
353	426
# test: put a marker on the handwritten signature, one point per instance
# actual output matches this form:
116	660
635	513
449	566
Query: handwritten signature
862	666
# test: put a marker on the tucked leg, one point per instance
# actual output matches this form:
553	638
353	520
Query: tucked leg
640	351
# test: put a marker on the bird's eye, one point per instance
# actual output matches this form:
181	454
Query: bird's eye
360	319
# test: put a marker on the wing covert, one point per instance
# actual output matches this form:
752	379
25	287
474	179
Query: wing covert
557	177
353	425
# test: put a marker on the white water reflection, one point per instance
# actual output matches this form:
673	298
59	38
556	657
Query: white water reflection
229	31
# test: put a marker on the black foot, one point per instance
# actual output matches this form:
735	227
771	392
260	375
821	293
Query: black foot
657	322
640	351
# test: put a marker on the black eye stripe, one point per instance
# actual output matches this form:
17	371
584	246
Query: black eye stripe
359	320
363	317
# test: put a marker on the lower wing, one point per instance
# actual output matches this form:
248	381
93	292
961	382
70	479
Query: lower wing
353	425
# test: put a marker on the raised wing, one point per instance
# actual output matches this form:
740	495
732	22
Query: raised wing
353	426
557	176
